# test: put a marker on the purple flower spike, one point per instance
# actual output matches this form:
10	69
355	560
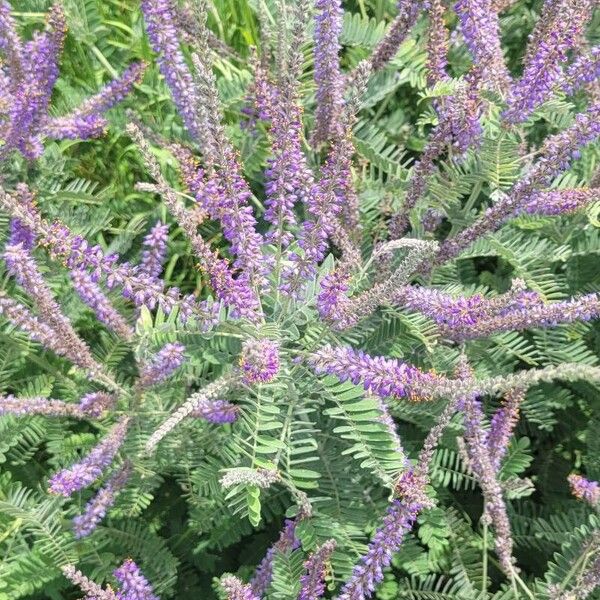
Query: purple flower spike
312	583
236	590
560	25
96	403
216	411
480	27
585	489
92	295
162	365
264	572
328	76
259	361
388	539
134	586
9	405
560	202
96	508
155	250
503	424
585	69
88	121
382	376
85	472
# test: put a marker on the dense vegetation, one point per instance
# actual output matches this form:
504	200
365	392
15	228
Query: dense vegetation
299	301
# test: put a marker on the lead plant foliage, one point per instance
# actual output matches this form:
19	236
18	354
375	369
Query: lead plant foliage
348	375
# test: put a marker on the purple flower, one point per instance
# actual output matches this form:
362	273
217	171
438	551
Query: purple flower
481	30
159	16
584	489
216	411
388	539
134	586
259	361
85	472
328	76
22	266
95	510
88	121
236	590
264	572
312	583
559	202
10	405
408	11
561	23
75	251
96	403
585	69
155	250
482	466
162	365
379	375
92	295
503	424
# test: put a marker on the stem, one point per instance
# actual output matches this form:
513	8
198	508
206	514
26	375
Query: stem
485	557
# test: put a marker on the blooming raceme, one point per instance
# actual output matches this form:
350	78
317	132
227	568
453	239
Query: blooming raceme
281	393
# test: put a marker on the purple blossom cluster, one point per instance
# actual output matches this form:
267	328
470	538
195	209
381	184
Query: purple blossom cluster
562	23
29	75
585	489
312	583
133	584
216	411
162	365
259	361
379	375
90	468
155	250
96	509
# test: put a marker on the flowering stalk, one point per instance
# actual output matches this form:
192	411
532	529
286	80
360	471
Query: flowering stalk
88	120
236	590
92	295
502	426
236	293
155	250
77	253
262	478
10	405
481	463
408	12
134	586
379	375
481	30
85	472
92	590
159	16
312	583
96	509
162	365
22	266
560	202
96	403
585	489
584	70
583	308
437	44
264	572
328	76
259	361
195	401
216	411
563	22
555	156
